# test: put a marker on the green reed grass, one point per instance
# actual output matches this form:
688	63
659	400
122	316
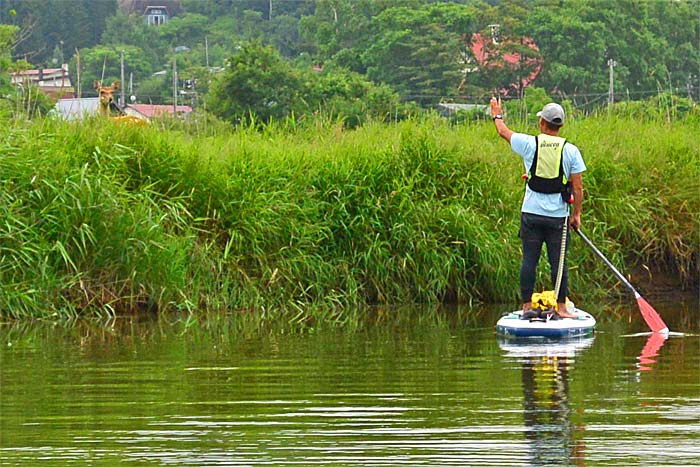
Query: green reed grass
302	223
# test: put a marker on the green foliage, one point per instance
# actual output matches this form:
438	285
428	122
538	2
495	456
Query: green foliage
103	63
156	88
575	40
647	41
339	94
643	191
219	8
284	35
257	84
580	67
260	85
418	51
534	99
186	30
73	238
30	102
276	223
418	47
664	106
133	30
45	24
340	31
7	35
243	21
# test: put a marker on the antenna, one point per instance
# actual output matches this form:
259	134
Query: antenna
104	65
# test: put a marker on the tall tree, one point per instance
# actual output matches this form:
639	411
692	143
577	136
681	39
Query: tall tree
651	44
69	24
187	30
420	51
7	37
568	68
678	23
340	30
257	82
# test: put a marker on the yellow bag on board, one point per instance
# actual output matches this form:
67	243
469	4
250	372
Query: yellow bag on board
546	300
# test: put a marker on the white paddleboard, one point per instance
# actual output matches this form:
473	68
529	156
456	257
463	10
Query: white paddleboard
512	325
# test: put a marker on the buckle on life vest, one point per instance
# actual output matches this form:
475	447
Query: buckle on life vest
567	194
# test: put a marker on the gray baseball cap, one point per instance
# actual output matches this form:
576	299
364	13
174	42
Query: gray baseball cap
553	113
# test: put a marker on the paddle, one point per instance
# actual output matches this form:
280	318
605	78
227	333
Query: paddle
649	314
562	258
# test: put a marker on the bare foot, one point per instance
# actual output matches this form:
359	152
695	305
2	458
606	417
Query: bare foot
566	314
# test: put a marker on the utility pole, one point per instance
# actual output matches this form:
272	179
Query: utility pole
122	100
206	50
174	88
611	88
194	92
689	86
77	66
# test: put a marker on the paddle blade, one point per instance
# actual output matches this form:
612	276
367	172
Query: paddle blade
651	317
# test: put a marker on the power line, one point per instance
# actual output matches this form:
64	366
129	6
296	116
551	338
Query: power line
675	90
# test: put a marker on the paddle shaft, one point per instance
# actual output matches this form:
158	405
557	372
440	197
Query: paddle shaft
651	317
562	258
609	264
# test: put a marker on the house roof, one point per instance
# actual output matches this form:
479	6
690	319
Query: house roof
155	110
455	107
43	71
51	81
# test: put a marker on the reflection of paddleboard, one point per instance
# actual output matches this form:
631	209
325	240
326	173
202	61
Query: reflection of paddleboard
544	347
512	325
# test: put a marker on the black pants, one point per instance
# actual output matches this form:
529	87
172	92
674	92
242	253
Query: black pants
534	231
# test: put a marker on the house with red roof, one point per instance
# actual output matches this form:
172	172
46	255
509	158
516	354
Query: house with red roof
148	111
490	54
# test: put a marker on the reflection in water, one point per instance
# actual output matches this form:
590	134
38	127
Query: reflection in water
547	411
651	349
136	392
554	439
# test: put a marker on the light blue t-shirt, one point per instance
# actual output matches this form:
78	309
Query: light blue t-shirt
546	204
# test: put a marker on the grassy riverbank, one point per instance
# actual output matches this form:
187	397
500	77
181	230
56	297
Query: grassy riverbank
281	223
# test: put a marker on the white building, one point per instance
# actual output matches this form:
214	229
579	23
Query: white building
54	82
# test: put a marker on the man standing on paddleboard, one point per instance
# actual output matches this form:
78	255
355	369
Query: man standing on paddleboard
553	171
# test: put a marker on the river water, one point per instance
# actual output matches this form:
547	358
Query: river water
404	390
